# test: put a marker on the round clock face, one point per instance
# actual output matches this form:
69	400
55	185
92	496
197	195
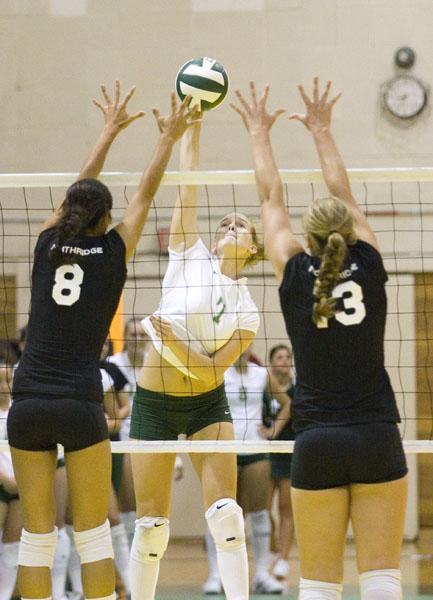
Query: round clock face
405	97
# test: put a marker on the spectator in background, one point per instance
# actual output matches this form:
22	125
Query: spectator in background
281	366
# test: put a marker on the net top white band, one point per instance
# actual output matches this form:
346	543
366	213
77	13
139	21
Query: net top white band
226	446
244	177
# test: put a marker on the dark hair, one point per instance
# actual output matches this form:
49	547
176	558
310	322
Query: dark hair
86	202
275	349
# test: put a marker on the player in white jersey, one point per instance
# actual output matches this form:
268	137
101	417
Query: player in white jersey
246	385
206	319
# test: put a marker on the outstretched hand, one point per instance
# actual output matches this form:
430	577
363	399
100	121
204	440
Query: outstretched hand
318	111
255	116
179	120
115	113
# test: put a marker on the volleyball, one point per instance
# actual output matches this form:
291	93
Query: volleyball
205	80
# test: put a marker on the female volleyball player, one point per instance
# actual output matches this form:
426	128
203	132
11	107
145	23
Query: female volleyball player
78	275
348	462
206	319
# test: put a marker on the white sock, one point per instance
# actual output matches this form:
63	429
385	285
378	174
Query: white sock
121	553
211	554
74	565
128	520
60	565
112	596
261	533
384	584
319	590
233	568
226	523
8	569
148	547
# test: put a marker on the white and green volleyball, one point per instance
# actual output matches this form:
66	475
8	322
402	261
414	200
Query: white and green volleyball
205	80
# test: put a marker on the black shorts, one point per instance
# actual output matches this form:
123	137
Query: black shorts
281	465
40	423
243	460
328	457
158	416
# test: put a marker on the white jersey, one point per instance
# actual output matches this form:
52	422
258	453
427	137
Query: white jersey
121	359
204	306
245	396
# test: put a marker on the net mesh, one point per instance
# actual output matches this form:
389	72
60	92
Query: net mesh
399	203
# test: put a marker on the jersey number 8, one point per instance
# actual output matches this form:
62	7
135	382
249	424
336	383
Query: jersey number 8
353	301
67	287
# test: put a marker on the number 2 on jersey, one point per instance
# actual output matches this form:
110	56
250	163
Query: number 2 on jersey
353	302
67	288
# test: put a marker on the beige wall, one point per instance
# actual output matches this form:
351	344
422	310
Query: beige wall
53	65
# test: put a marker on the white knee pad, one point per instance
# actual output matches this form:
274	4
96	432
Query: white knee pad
381	585
94	544
37	549
226	524
150	539
310	589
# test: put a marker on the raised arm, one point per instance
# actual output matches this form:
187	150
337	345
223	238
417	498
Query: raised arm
280	243
317	119
183	229
116	119
171	129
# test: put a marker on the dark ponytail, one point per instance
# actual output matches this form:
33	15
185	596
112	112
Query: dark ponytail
87	201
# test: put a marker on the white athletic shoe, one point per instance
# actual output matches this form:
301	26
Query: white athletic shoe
266	584
213	585
281	569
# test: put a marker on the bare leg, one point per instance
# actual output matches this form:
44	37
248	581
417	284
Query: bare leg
321	519
152	481
34	473
378	512
89	484
218	474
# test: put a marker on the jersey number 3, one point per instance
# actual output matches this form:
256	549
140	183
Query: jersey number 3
353	303
67	287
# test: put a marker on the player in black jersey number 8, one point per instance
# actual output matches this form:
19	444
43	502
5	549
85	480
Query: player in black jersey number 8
348	461
78	275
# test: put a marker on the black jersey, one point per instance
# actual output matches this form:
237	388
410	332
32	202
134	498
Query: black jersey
72	306
270	415
117	377
287	432
340	371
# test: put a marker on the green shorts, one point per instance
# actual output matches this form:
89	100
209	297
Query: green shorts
244	460
5	497
158	416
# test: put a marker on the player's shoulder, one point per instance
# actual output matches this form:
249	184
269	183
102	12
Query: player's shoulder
367	256
196	250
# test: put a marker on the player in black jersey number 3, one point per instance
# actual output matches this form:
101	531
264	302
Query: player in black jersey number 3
348	461
78	275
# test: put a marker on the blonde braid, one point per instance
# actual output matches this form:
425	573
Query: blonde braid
333	257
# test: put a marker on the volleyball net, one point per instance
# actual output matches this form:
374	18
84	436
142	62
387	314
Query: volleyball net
398	202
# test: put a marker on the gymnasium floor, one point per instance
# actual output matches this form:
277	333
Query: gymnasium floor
184	569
